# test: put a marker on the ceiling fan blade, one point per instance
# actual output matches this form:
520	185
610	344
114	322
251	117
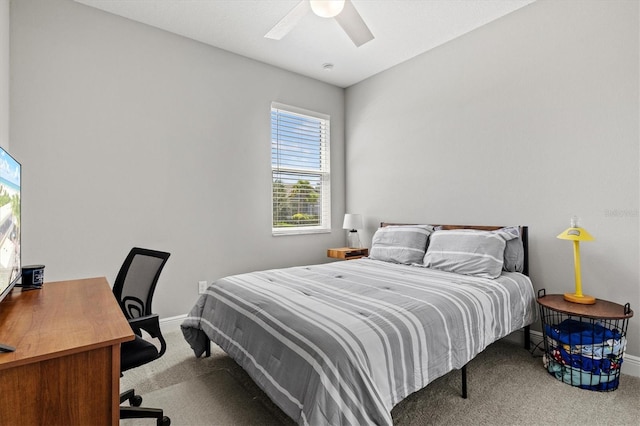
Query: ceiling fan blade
353	24
289	21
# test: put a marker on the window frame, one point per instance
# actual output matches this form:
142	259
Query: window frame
323	171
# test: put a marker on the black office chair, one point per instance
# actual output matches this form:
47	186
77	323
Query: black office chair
133	288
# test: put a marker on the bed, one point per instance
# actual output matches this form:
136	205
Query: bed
344	342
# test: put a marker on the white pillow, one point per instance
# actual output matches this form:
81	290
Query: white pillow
514	251
468	252
400	243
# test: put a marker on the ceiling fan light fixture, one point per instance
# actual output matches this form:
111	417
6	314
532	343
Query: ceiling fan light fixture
327	8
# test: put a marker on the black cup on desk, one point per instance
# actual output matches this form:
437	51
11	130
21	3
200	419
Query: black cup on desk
33	276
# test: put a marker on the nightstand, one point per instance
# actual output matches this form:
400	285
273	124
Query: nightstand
346	253
584	344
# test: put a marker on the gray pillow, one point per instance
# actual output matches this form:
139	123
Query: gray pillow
468	252
514	251
400	243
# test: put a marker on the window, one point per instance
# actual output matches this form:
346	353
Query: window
300	171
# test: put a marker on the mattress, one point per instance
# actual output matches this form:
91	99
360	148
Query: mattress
343	342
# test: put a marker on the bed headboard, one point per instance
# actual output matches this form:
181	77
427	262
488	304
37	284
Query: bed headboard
524	235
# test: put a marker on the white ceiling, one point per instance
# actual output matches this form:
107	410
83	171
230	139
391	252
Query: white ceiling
402	29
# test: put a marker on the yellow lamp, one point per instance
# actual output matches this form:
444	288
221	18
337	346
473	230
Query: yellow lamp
577	234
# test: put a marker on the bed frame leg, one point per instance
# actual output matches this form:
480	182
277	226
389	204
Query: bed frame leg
464	381
527	345
207	351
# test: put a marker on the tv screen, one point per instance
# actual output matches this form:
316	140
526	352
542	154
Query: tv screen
10	175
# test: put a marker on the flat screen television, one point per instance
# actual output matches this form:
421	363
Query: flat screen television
10	176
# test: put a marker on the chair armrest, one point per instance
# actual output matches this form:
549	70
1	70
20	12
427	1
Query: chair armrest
150	324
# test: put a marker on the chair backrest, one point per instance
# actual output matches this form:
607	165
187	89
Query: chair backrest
137	279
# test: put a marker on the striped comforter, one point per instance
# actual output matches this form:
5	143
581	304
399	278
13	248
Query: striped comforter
342	343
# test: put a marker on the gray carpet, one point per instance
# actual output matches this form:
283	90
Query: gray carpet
507	386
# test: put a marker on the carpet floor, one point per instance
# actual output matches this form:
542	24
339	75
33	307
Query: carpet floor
506	386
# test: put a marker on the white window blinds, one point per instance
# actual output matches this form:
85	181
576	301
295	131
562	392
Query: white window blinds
300	171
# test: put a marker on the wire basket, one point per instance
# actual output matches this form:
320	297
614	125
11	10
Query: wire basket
584	348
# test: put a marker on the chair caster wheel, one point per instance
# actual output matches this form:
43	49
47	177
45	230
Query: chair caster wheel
165	421
135	401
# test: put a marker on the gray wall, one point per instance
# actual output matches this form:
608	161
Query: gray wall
131	136
4	73
528	120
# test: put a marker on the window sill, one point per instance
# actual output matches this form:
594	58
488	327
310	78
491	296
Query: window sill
299	231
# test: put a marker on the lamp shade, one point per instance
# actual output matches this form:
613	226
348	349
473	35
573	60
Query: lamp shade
575	234
352	221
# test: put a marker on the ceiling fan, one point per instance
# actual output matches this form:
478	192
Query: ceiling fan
342	10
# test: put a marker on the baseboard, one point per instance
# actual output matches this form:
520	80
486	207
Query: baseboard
171	323
630	366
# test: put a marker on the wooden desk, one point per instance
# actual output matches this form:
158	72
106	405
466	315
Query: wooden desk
66	366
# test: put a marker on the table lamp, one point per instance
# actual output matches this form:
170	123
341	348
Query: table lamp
577	234
353	222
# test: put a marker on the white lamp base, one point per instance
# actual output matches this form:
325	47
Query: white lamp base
353	239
